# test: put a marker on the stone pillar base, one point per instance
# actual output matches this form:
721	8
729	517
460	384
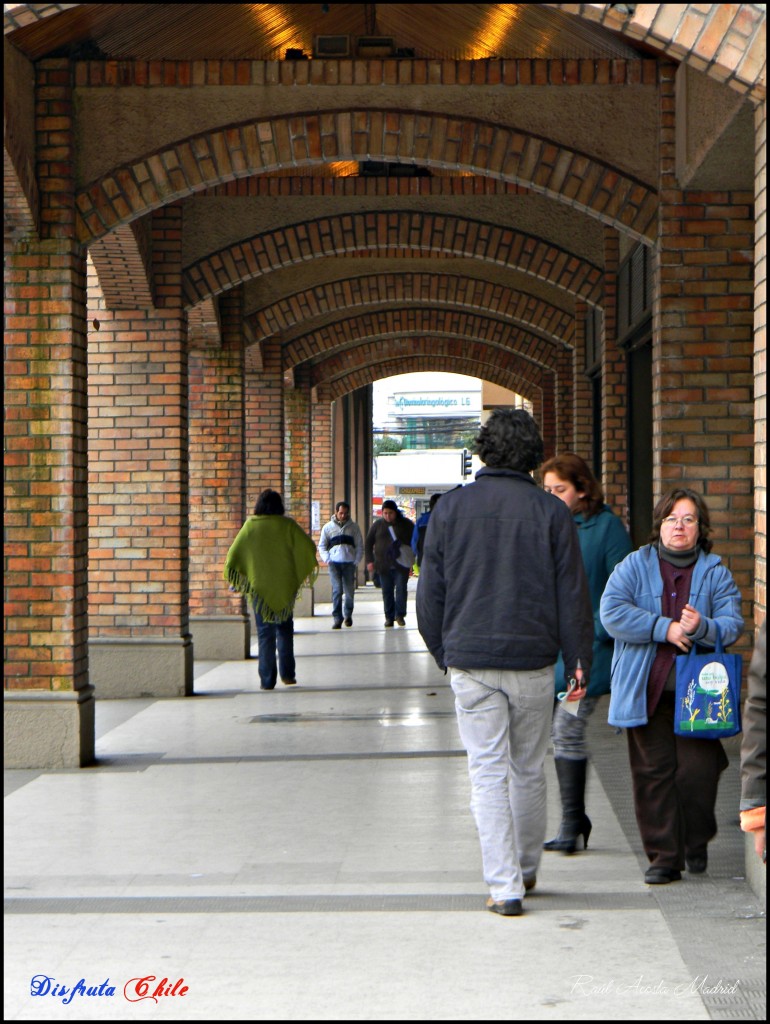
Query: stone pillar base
49	729
305	605
322	588
221	637
141	666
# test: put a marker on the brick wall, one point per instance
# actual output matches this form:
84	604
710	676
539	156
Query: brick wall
46	539
138	455
703	352
614	425
321	458
217	465
264	425
760	362
297	449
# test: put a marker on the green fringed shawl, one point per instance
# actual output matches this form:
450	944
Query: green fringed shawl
268	562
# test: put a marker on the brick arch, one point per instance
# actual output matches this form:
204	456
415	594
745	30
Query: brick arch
724	40
121	259
401	325
311	139
19	208
494	372
437	290
393	233
370	352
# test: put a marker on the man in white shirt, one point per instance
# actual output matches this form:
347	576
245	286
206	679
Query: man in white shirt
342	546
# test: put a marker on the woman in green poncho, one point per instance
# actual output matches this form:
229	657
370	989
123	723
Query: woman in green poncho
268	562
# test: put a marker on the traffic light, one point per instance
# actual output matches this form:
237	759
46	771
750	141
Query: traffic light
466	465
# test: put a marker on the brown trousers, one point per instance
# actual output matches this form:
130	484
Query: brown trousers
675	782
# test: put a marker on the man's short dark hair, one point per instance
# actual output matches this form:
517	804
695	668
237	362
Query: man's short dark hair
342	504
510	440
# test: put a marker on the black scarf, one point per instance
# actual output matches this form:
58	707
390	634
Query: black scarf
681	559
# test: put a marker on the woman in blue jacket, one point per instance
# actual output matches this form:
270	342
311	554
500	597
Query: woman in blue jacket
659	601
604	542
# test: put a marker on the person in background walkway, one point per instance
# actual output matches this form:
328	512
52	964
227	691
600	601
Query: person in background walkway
342	546
604	542
502	590
418	534
658	602
754	747
268	562
389	554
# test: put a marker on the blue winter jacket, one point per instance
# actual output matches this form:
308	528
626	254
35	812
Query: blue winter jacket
631	612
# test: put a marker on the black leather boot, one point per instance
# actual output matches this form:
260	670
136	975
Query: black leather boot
574	821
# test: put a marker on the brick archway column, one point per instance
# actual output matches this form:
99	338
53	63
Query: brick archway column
362	417
352	446
321	484
565	373
297	488
140	643
544	411
760	363
614	387
584	411
49	705
264	423
321	457
703	429
219	620
297	402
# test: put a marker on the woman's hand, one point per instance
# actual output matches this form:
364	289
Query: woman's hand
690	619
677	635
370	567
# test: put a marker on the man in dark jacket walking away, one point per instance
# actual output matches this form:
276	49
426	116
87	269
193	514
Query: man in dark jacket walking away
389	554
502	590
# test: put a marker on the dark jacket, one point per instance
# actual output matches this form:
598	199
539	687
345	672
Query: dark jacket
502	582
418	536
379	541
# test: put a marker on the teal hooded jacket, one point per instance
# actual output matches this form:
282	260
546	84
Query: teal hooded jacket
604	542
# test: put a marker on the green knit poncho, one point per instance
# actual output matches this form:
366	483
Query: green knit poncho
268	562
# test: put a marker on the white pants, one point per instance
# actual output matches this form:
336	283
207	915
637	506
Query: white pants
505	724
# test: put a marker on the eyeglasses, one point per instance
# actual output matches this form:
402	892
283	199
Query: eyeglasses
684	520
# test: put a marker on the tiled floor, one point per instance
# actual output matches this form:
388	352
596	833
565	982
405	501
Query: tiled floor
309	853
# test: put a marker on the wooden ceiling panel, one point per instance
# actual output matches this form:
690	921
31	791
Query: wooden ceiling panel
266	31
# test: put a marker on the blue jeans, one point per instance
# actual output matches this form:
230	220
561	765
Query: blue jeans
393	583
504	718
270	636
343	577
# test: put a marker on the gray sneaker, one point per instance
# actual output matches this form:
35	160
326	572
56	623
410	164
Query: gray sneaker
508	908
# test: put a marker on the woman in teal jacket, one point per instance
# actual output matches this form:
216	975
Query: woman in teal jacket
604	542
659	601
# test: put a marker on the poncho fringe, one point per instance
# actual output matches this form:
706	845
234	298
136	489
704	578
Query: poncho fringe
239	582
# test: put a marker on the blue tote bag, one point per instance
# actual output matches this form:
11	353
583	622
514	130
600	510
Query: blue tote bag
708	693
